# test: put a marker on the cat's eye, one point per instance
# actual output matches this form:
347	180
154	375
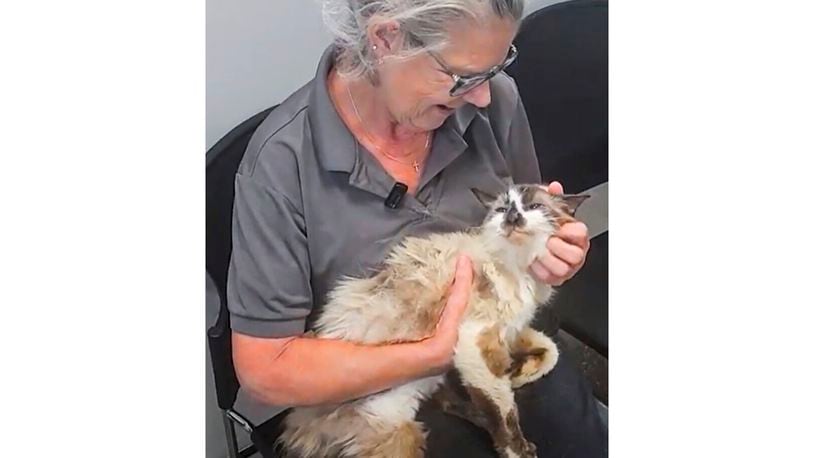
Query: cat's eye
501	209
535	206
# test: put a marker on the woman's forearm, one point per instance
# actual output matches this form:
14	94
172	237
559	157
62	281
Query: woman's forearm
303	371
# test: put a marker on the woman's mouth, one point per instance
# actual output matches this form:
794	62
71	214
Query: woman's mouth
445	110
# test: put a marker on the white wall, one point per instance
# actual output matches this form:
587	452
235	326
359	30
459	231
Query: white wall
257	52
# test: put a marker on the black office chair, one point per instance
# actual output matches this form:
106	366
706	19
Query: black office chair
222	162
562	75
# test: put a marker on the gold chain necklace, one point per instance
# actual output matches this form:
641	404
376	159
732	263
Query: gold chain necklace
415	164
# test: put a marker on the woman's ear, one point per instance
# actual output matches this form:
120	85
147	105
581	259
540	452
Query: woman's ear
385	38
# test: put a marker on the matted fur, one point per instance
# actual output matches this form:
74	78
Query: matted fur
403	303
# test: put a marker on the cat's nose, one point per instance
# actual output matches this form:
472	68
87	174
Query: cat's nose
514	217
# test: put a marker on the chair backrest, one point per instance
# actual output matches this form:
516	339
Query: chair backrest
562	74
222	162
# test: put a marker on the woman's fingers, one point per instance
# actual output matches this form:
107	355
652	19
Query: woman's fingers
575	233
570	253
458	293
555	187
539	271
556	266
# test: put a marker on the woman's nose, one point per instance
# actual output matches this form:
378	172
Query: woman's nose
480	96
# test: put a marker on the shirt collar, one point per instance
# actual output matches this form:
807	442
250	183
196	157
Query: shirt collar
336	147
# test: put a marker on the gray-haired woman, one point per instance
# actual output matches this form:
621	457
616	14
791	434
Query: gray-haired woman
409	95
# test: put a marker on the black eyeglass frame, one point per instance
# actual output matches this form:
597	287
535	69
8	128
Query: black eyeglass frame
465	83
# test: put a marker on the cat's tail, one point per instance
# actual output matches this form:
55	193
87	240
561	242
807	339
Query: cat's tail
320	432
305	434
346	432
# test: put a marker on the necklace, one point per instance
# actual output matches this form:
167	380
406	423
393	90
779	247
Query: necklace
414	163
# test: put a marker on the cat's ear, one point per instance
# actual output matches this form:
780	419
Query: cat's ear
484	198
572	202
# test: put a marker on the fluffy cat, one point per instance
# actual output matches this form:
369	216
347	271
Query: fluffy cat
496	350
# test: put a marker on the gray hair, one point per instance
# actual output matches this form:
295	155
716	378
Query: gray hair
423	23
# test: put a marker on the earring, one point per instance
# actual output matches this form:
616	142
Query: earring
378	60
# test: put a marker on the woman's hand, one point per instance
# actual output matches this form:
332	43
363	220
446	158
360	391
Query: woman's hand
567	250
440	346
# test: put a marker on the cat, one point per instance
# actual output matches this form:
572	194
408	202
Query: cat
496	351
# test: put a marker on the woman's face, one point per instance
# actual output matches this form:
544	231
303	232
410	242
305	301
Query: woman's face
416	90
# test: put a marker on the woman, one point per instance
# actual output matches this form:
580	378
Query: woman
409	95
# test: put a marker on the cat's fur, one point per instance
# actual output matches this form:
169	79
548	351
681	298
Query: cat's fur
496	350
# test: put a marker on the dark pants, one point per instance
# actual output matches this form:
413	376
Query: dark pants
558	413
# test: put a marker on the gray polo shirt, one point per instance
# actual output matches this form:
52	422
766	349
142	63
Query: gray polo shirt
309	199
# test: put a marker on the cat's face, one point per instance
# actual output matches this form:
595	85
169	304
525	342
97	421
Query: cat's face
525	212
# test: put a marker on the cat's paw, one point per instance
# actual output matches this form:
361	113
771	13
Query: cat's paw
523	449
529	450
535	355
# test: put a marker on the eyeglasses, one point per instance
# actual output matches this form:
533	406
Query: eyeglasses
464	84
